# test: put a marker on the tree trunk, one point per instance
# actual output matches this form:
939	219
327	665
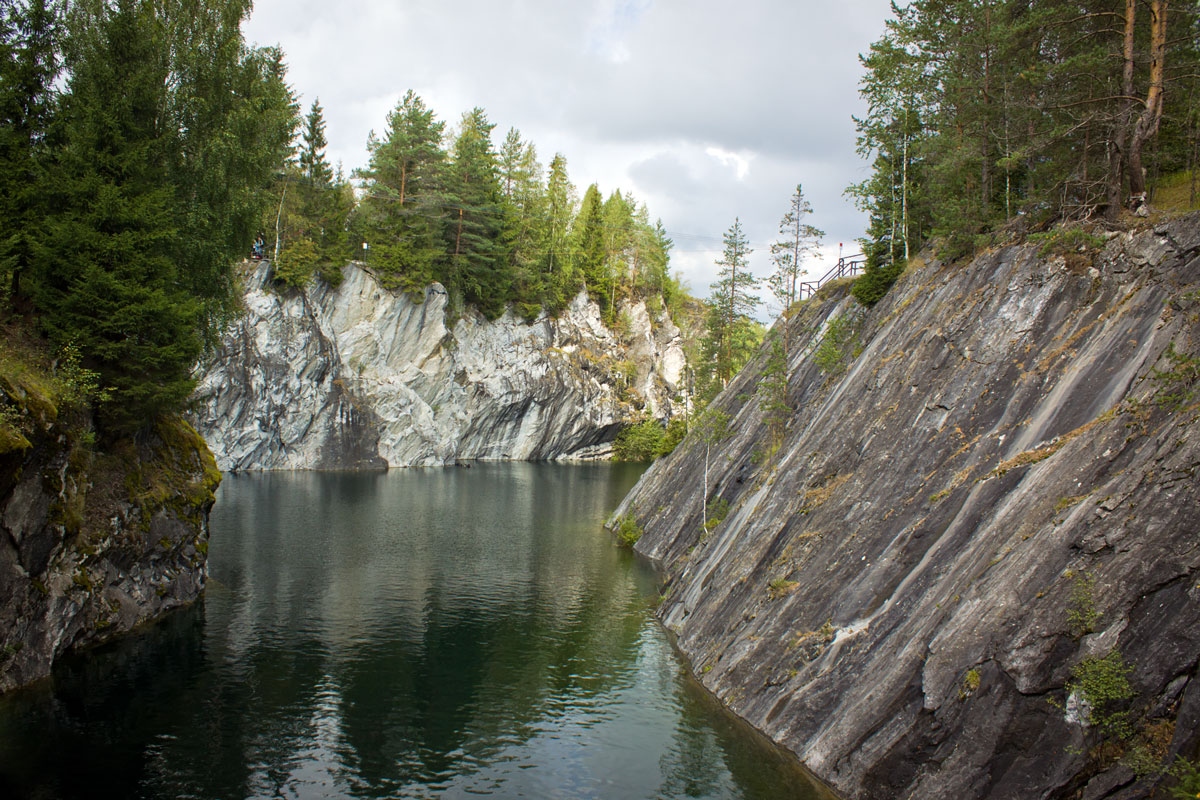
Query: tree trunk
1117	148
1147	122
904	188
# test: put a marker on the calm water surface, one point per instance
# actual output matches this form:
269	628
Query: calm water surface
413	634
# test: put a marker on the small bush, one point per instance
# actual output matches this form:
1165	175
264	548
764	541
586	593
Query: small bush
1178	385
648	440
870	287
676	430
1104	682
1188	775
1081	608
1065	240
835	345
641	442
971	682
716	511
781	587
628	531
296	264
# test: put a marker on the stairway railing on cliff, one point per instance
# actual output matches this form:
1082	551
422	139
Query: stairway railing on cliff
846	267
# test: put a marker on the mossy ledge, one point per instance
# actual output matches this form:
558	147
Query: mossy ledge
94	539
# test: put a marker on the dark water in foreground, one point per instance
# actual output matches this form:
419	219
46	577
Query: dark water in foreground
413	634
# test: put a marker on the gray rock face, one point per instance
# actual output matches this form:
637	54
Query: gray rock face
92	545
1000	488
361	377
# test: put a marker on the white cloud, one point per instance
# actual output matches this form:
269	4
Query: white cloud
706	110
739	162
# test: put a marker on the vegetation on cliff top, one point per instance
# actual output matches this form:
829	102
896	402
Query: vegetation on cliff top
48	395
143	144
136	143
987	119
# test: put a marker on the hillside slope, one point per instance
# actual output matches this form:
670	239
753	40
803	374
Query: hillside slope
985	506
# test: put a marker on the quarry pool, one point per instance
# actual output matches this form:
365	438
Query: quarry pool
412	634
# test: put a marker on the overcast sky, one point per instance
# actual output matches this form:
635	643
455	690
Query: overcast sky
704	110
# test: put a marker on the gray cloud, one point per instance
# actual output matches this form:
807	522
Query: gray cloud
705	110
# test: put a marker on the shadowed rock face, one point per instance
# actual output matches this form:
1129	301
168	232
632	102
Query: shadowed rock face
360	377
94	544
999	486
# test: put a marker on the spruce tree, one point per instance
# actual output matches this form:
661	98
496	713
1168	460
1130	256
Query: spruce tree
29	63
167	132
107	281
312	212
732	331
524	232
589	246
474	262
559	261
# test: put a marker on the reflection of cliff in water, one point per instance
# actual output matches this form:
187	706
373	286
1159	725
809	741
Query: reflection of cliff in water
399	634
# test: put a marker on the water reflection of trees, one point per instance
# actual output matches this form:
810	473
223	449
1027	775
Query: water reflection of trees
406	638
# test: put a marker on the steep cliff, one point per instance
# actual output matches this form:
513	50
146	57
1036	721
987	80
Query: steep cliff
969	566
92	541
361	377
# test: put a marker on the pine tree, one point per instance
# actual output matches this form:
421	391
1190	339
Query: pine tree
1002	113
731	333
800	240
403	211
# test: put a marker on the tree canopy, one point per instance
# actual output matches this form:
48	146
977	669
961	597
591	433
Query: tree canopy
984	114
150	132
495	226
144	146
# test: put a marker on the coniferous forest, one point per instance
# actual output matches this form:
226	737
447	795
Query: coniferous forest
993	118
144	146
138	142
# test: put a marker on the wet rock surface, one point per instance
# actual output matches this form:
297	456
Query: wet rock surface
361	377
992	485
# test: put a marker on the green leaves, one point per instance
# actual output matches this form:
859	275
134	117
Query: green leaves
1004	115
163	139
732	333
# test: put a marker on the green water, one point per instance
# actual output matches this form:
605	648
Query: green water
419	633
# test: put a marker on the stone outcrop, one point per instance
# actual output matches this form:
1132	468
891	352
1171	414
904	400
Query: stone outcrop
356	376
988	493
92	543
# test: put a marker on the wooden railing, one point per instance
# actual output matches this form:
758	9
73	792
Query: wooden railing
847	266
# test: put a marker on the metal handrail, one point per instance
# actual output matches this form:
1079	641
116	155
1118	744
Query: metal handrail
846	267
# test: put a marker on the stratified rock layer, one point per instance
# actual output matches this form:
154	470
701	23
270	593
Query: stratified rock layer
361	377
992	481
